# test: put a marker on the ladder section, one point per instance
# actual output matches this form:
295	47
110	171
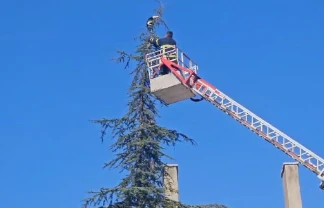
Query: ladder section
175	55
262	128
185	70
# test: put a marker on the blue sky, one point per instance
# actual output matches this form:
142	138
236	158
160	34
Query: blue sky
56	75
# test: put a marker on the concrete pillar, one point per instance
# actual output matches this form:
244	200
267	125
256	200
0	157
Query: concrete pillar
291	186
170	179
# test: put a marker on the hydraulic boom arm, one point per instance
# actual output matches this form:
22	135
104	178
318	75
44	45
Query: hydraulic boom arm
253	122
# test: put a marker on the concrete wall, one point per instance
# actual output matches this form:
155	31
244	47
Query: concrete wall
171	182
291	185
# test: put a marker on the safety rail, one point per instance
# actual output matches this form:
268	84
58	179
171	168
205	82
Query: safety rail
153	60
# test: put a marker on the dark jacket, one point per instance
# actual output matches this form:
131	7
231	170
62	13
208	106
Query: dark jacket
162	41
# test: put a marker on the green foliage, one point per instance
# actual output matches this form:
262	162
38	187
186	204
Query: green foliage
139	143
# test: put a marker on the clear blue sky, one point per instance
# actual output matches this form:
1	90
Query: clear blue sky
55	76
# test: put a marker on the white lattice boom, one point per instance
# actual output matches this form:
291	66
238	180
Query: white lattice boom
271	134
244	116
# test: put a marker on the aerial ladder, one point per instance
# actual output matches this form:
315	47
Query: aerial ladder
184	83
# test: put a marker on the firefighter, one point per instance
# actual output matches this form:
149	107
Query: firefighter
167	41
167	44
